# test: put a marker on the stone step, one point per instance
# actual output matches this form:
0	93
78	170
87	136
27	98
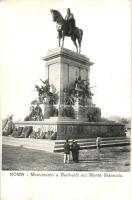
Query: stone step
92	139
94	146
85	143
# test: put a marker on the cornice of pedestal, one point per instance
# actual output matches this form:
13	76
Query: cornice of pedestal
61	52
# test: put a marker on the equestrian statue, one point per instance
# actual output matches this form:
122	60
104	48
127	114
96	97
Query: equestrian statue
67	27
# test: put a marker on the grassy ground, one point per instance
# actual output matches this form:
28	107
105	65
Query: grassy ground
110	159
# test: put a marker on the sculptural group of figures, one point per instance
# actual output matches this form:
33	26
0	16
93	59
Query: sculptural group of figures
79	92
67	27
35	113
45	94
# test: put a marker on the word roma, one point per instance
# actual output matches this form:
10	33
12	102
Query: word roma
16	174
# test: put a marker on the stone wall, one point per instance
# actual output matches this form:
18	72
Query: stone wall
89	131
77	129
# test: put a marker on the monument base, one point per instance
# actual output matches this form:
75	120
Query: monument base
76	129
69	112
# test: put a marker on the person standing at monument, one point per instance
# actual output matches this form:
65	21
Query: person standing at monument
98	144
71	21
75	151
66	152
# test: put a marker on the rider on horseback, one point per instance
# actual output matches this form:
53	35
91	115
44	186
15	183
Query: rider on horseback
71	21
65	26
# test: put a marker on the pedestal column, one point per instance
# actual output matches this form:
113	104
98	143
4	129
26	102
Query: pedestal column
63	66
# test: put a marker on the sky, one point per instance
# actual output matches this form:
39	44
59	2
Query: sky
28	32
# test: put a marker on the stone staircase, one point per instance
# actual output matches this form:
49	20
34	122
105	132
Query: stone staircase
57	145
91	143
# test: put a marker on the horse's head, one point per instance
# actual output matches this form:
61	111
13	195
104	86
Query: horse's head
55	14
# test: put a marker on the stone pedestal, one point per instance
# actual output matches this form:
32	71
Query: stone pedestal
63	66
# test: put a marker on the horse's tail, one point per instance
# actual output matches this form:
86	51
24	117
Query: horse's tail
81	33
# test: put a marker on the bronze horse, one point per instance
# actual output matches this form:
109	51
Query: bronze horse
62	28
